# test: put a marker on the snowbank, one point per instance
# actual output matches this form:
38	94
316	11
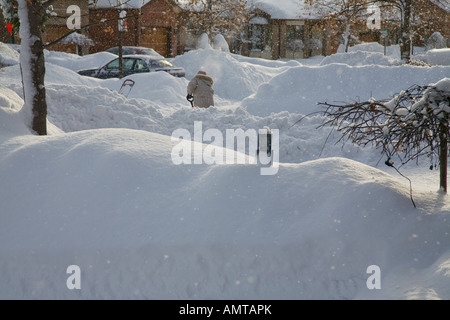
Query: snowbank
435	57
11	122
360	58
139	226
8	56
303	87
91	108
233	79
75	62
106	196
374	47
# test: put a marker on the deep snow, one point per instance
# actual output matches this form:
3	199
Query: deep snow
101	191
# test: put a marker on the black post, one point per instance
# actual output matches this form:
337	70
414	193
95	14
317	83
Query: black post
443	138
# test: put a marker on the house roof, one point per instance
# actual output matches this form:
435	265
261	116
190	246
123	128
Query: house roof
128	4
295	9
277	9
286	9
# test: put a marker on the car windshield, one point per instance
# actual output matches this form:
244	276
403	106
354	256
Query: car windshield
113	65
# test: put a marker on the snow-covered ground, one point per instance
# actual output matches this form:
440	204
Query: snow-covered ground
102	192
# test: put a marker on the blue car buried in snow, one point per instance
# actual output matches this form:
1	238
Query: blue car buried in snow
132	64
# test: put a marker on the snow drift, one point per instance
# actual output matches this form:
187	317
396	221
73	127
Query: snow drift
8	56
101	191
140	227
337	82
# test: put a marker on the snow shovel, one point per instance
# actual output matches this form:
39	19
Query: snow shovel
264	142
191	100
126	87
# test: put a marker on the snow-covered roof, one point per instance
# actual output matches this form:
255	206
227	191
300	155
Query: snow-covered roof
128	4
286	9
277	9
135	4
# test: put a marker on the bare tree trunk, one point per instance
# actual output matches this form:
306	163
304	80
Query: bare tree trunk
347	34
120	55
33	64
443	156
405	46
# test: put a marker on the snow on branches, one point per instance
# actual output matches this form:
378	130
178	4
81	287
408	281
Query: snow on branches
415	123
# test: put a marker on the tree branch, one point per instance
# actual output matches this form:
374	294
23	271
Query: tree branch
48	3
413	124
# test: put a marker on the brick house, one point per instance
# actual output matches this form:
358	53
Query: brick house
155	24
432	16
289	29
285	30
276	29
57	27
437	19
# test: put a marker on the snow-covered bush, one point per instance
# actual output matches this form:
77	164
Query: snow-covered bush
314	44
203	42
295	45
412	125
435	57
220	43
78	39
436	41
418	63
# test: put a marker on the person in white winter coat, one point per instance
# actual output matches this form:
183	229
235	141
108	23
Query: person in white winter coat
200	89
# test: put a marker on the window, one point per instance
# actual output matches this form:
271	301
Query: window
294	38
257	33
154	64
127	63
140	65
113	65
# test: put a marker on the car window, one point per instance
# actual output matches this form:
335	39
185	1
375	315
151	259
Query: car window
128	63
140	65
113	65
